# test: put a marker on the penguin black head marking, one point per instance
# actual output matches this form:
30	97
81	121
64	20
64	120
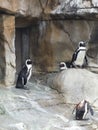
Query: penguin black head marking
82	44
28	62
24	75
82	109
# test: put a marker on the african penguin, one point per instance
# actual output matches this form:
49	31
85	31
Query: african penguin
62	66
24	75
82	109
65	65
79	58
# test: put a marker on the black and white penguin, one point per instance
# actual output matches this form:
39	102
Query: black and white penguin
24	75
82	109
65	65
79	58
62	66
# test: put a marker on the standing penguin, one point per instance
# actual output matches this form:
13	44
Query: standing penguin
24	75
79	58
82	109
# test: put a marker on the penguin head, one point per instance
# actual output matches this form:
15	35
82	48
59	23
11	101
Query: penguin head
28	62
82	44
62	66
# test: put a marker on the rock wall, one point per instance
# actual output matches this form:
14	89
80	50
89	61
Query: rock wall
7	53
56	27
39	8
56	40
35	8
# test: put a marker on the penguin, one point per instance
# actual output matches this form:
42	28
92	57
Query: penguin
62	66
24	75
82	109
65	65
79	58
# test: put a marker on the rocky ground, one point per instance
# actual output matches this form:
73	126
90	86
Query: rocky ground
39	108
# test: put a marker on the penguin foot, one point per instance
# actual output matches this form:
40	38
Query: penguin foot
25	88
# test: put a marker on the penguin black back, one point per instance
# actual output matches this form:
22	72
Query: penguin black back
82	109
24	74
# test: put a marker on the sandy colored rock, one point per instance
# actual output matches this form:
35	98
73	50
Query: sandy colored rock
7	63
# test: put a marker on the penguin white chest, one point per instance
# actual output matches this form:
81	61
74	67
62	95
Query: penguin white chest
29	72
80	58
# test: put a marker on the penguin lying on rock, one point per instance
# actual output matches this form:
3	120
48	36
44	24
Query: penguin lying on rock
24	75
65	65
82	109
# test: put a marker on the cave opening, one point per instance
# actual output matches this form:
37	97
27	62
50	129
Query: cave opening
22	45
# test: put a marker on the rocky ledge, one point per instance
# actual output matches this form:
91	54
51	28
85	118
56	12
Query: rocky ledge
44	108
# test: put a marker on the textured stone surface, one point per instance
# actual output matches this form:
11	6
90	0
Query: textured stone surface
39	108
23	7
7	56
56	40
35	8
77	84
54	35
77	8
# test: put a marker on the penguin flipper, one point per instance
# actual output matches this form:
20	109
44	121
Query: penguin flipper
25	80
20	82
74	56
86	60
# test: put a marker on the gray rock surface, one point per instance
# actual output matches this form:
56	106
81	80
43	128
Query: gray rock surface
77	84
36	8
40	108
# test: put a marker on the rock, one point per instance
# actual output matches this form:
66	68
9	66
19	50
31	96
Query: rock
57	41
76	85
73	8
18	126
26	110
7	53
54	28
35	8
94	126
54	40
21	8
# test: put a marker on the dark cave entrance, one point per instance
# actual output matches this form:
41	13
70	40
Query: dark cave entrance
22	45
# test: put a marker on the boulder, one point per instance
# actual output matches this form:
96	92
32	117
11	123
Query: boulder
77	84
